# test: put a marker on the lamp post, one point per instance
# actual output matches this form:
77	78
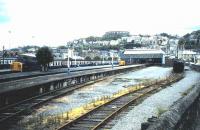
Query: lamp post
75	58
103	59
68	67
9	38
112	59
74	55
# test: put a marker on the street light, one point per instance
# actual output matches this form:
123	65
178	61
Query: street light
103	59
9	38
112	59
68	67
75	58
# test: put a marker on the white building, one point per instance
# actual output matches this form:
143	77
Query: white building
63	53
197	59
187	55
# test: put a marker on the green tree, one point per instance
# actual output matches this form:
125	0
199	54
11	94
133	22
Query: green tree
44	57
109	58
87	58
97	58
62	47
92	39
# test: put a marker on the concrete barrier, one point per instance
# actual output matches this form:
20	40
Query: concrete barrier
179	113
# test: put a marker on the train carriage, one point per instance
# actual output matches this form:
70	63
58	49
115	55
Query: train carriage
28	62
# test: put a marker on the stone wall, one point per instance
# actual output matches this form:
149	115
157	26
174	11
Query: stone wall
191	118
195	67
181	115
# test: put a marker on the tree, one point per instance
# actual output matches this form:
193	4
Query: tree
109	58
5	54
97	58
44	56
62	47
92	39
88	58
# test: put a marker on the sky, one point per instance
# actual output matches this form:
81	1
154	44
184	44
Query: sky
54	22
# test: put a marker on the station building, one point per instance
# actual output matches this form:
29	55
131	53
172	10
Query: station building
135	56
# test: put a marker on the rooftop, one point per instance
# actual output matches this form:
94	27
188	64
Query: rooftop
143	51
188	52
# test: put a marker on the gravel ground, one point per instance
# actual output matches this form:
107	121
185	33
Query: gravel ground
89	93
159	101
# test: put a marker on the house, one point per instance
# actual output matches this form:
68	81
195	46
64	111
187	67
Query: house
187	55
197	59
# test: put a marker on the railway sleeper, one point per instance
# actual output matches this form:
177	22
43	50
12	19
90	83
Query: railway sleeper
87	122
10	111
122	101
101	114
18	108
118	105
83	125
96	119
109	108
91	123
24	105
105	111
2	117
75	128
7	114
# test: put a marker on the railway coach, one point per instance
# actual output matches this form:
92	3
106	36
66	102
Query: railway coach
28	62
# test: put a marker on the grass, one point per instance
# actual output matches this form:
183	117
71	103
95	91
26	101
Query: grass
187	91
161	110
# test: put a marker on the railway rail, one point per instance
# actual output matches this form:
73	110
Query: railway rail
13	111
99	116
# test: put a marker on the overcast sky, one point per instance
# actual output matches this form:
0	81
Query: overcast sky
54	22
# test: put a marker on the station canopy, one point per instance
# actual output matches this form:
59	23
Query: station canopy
143	53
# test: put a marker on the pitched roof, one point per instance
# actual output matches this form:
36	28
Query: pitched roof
143	51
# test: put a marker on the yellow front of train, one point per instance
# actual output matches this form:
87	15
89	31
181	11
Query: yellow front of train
122	63
16	66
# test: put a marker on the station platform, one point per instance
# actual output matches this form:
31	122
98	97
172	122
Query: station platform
5	71
6	87
21	75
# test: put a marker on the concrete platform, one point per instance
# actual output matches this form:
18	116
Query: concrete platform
5	71
21	75
40	80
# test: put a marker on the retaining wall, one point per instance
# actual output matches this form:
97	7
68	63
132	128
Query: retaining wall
195	67
182	115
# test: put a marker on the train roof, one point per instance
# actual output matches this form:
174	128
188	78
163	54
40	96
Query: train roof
28	55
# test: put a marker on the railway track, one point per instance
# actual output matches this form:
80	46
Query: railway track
12	112
98	117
